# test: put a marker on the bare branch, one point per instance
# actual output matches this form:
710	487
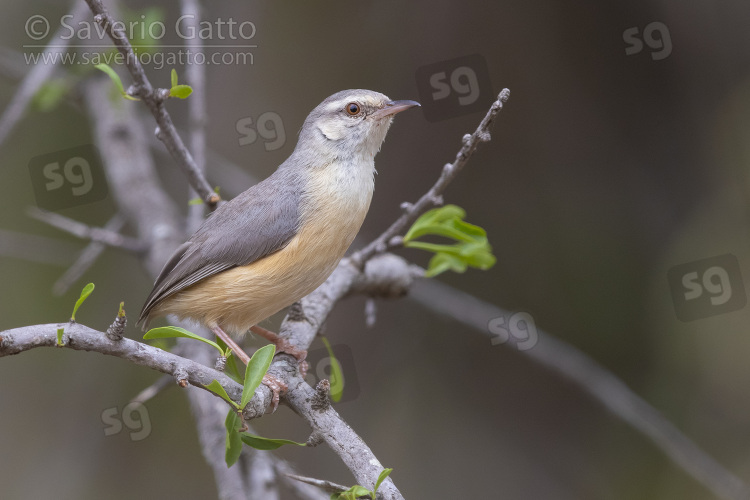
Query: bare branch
597	381
83	338
86	258
81	230
154	100
35	248
327	486
433	197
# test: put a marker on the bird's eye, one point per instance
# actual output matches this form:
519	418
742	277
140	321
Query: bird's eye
352	109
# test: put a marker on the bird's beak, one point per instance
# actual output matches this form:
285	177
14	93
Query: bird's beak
392	107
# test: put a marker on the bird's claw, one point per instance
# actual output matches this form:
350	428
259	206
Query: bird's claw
277	388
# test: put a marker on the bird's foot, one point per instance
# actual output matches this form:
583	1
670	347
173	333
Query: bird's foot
283	345
277	388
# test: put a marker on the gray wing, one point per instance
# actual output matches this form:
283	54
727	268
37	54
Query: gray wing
258	222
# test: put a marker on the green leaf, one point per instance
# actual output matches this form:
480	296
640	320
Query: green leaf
353	493
444	262
383	474
256	368
435	216
337	374
166	332
217	389
471	248
231	369
84	295
261	443
60	332
116	79
174	77
233	441
181	91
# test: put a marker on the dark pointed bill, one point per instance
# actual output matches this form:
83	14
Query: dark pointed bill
393	107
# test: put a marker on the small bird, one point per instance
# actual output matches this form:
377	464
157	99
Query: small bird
281	239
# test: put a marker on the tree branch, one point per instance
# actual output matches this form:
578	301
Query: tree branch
597	381
434	196
154	100
86	258
81	230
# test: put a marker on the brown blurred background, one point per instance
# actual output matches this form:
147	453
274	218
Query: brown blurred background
605	171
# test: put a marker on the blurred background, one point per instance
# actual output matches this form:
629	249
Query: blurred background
614	192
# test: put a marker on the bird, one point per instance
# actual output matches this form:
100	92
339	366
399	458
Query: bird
282	238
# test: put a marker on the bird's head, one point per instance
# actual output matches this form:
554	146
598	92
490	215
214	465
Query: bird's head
351	123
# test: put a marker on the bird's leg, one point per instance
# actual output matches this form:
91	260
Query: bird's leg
242	355
276	385
283	345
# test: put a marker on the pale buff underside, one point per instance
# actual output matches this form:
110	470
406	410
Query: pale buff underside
243	296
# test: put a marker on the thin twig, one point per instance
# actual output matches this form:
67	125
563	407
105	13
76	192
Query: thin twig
433	197
154	100
327	486
86	258
83	231
149	392
35	248
597	381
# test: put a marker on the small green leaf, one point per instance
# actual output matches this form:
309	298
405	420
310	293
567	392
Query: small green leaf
230	369
233	441
432	217
174	77
442	262
219	390
181	91
337	374
383	474
60	332
256	368
471	247
116	79
261	443
166	332
353	493
84	295
112	75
